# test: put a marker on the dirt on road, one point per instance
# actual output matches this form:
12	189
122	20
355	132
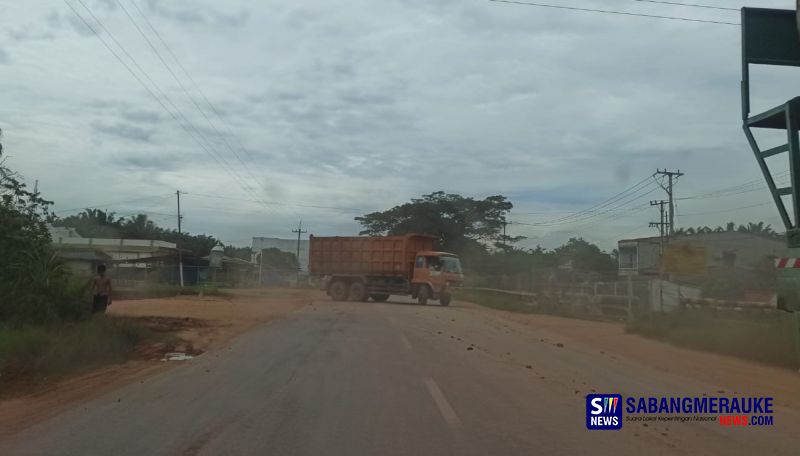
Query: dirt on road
207	323
212	320
200	324
733	375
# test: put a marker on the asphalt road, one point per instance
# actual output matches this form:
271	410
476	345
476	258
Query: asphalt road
389	379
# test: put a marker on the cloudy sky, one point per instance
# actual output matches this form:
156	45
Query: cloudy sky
279	111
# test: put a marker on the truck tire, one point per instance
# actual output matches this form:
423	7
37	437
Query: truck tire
379	297
338	290
358	291
423	293
445	298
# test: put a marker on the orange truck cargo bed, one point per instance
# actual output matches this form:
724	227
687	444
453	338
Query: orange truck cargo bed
363	255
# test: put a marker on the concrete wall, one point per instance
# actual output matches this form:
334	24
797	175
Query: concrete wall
666	296
747	250
744	249
284	245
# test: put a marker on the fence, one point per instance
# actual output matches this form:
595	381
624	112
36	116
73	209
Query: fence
614	300
748	328
165	275
625	298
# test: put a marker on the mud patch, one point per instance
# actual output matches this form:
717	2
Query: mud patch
170	324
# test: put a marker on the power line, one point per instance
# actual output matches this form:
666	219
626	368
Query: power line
196	87
577	230
623	13
691	5
311	206
604	203
733	209
627	199
210	152
183	87
730	191
95	206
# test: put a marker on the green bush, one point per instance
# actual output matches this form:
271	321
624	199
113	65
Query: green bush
41	353
766	337
38	289
35	287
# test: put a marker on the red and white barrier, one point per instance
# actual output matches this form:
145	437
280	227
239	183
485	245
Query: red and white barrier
787	263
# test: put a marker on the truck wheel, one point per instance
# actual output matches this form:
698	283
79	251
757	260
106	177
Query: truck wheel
379	297
423	293
338	291
445	298
358	292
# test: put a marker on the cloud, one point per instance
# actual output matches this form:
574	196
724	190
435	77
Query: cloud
149	161
3	56
124	131
368	104
192	14
142	116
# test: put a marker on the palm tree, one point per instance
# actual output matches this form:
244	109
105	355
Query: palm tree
139	227
757	228
93	223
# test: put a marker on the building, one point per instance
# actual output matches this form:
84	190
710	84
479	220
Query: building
83	255
731	249
284	245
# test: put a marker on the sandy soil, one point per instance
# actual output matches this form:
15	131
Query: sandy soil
218	318
203	323
738	376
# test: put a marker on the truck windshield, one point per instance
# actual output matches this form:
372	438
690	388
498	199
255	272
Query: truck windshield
451	264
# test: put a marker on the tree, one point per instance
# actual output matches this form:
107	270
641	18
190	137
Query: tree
585	256
462	225
757	228
140	227
34	285
100	224
93	223
279	260
243	253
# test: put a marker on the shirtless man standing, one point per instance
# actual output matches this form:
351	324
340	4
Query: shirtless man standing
101	290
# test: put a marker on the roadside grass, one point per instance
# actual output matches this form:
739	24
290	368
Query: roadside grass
770	338
524	304
766	337
499	301
36	355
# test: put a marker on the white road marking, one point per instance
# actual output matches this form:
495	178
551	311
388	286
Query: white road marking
405	341
445	409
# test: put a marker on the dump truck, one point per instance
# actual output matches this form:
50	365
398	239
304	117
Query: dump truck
360	268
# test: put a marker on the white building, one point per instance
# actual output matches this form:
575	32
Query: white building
284	245
83	254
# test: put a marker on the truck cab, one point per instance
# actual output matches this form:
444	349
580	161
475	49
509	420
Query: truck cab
435	275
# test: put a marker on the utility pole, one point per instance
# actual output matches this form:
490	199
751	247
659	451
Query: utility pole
672	176
180	255
505	239
261	268
661	224
300	231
